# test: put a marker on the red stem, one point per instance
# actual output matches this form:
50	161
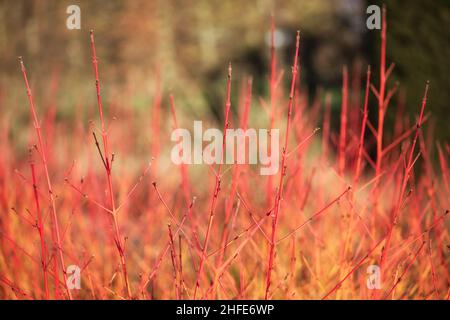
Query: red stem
108	169
381	93
283	170
343	131
183	169
236	175
406	176
326	126
40	227
216	186
47	177
405	271
363	129
273	98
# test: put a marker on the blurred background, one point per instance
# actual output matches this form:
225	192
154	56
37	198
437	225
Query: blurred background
147	49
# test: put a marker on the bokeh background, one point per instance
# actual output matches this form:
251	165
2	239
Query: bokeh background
148	48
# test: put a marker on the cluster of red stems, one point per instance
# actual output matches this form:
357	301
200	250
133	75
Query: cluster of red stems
310	234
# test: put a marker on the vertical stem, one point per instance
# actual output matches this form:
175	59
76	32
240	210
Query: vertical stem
235	180
363	129
183	169
279	193
173	256
40	227
216	186
117	236
405	180
326	126
381	94
343	130
47	177
273	98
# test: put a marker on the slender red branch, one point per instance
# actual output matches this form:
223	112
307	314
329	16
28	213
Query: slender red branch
363	129
339	284
326	126
236	176
315	215
40	228
216	186
183	169
43	154
279	193
117	237
273	98
405	271
381	92
343	130
409	167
